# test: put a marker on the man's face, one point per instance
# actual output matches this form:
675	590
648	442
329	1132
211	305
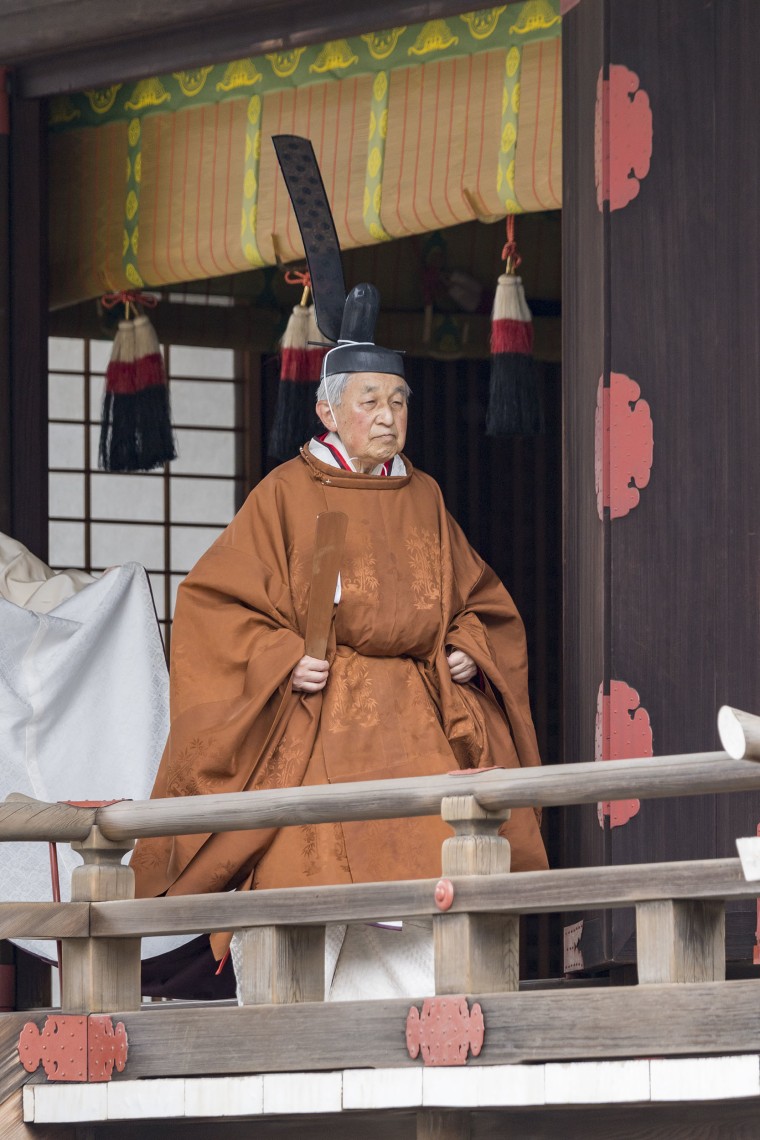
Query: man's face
370	419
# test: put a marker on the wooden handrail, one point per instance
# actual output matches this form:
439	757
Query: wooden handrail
560	784
522	892
525	892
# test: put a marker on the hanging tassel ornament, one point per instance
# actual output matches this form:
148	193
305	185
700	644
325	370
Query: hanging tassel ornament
301	356
513	404
136	431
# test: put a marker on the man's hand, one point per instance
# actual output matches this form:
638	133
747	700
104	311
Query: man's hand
462	666
310	675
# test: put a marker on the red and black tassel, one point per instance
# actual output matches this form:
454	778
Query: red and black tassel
513	404
136	432
301	355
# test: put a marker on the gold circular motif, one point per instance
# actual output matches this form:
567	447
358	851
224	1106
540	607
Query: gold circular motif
508	136
133	131
483	22
284	63
511	174
380	86
516	98
132	205
384	123
372	123
377	198
124	243
513	61
133	276
247	147
257	145
436	35
254	109
192	82
253	257
336	55
138	168
375	162
102	99
382	44
135	240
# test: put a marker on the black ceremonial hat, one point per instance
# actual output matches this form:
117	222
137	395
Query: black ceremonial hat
349	322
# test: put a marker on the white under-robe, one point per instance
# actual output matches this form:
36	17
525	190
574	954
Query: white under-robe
84	704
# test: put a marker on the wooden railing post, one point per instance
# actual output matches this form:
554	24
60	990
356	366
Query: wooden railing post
443	1124
101	975
276	965
681	941
475	953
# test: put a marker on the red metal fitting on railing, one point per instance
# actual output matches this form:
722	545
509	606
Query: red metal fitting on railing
444	894
446	1031
72	1047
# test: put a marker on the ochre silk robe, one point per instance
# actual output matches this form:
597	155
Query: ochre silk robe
411	586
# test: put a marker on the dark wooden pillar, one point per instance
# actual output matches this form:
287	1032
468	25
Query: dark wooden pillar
27	340
5	363
660	298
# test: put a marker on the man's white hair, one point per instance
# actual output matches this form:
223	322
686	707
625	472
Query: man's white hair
331	388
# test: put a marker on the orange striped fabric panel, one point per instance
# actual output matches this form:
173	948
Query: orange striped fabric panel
538	158
335	116
86	212
191	193
441	154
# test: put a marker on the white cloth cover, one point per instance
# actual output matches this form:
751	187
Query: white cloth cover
365	962
84	704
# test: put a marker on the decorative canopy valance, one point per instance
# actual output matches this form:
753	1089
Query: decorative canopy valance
415	128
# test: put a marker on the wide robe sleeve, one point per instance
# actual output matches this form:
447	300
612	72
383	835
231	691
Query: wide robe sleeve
235	641
489	724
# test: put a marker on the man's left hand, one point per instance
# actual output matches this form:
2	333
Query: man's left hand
462	666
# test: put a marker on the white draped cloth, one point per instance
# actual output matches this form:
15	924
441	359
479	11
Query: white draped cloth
84	704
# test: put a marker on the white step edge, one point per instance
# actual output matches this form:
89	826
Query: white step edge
681	1080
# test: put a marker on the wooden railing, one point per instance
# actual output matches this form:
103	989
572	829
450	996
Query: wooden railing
682	1004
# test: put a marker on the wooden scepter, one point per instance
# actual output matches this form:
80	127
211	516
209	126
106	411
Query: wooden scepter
329	541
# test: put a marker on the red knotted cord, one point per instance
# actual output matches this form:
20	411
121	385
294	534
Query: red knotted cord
300	277
128	297
509	253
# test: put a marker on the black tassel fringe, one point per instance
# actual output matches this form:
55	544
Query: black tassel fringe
295	420
136	431
514	407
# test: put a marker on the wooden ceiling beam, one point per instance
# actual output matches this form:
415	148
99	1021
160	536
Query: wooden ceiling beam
68	45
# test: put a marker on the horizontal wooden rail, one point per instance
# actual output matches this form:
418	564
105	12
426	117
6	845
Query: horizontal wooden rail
629	1021
44	920
559	784
525	892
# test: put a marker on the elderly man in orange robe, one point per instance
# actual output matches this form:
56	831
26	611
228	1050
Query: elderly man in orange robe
426	666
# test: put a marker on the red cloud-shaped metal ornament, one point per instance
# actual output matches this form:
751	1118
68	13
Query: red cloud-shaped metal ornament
623	732
622	137
624	445
445	1031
